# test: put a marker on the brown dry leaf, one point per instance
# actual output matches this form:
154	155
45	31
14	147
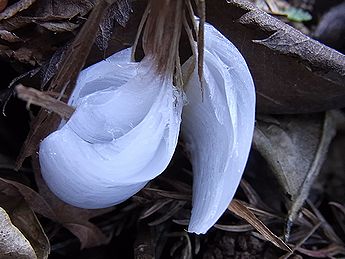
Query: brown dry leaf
13	243
292	72
3	4
118	11
9	36
31	50
16	8
56	10
14	23
26	221
242	211
13	189
48	205
59	26
295	148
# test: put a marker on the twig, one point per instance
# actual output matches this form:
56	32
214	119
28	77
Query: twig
44	100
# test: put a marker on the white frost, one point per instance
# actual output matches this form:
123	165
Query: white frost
123	134
126	124
218	130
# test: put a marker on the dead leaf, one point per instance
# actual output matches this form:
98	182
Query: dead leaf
36	202
16	8
292	72
55	10
49	69
13	243
242	211
26	221
3	5
48	205
295	148
59	26
118	11
122	37
9	36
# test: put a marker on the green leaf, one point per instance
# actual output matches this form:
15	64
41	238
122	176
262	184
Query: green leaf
297	15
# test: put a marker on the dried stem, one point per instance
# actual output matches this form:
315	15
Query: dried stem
31	95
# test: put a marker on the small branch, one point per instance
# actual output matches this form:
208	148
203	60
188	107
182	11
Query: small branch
44	100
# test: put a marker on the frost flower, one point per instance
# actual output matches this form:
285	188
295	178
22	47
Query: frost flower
126	125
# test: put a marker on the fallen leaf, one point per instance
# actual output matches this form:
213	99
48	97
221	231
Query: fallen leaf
48	205
57	10
242	211
118	11
3	4
13	243
16	8
292	72
297	15
26	221
9	36
59	26
295	148
36	202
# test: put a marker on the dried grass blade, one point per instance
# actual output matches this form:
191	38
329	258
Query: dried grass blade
235	228
302	241
171	195
44	100
327	229
339	214
327	252
155	207
242	211
175	207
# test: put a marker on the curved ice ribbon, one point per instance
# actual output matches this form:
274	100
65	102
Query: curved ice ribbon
125	129
122	134
218	128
